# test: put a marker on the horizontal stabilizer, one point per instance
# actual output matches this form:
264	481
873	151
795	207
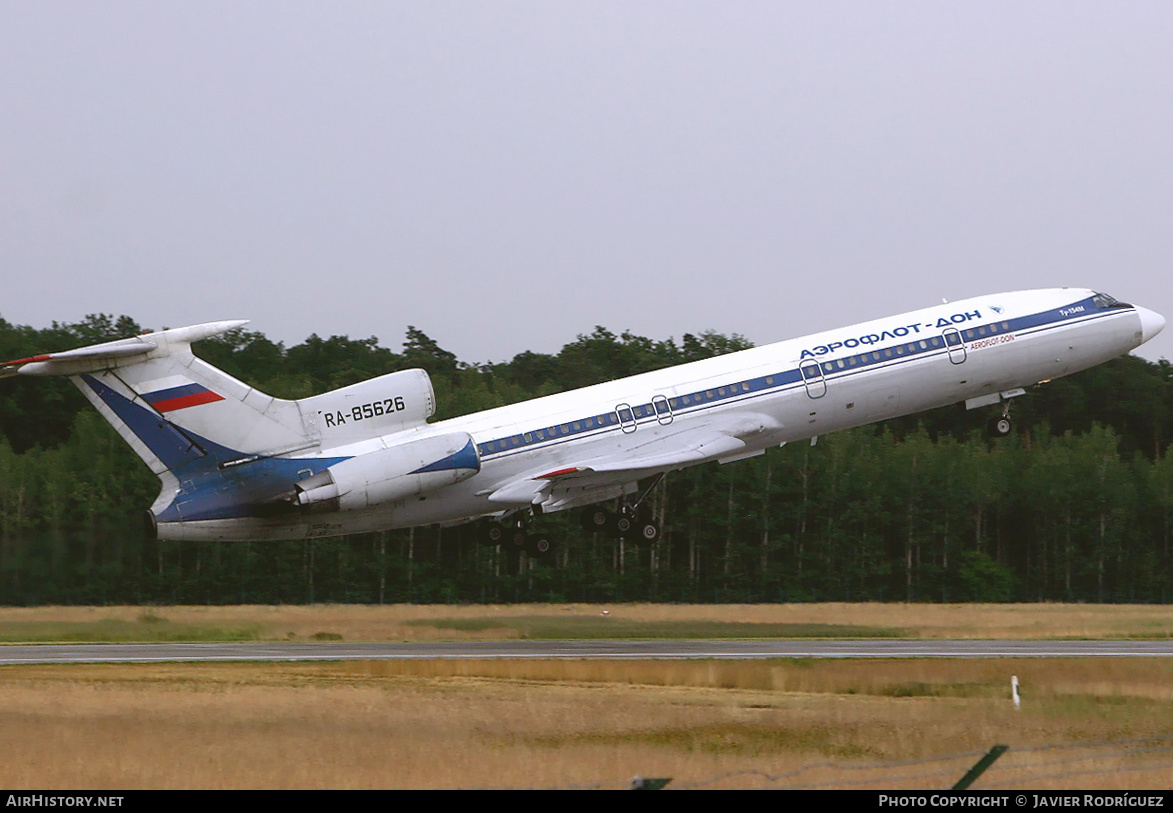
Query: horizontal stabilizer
98	351
114	354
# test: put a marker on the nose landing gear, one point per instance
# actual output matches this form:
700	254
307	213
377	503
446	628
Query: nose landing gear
1000	426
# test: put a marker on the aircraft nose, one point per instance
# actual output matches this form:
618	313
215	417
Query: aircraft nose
1151	323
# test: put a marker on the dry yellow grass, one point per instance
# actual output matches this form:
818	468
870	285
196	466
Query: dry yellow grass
535	724
409	622
1085	723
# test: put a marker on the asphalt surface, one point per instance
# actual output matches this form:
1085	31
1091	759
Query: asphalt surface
331	651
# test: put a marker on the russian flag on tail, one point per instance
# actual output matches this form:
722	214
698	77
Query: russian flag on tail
182	397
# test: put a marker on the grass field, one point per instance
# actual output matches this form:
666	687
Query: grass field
577	621
1088	723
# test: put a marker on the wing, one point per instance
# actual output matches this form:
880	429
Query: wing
582	481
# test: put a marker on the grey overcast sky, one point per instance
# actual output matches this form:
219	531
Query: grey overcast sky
507	175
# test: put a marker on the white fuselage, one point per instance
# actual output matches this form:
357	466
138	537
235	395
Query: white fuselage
765	396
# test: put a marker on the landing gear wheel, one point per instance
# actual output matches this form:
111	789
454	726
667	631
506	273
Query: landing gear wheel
517	538
492	533
648	532
539	546
594	519
1000	427
621	525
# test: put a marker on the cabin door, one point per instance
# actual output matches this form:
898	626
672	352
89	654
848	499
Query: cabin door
813	378
626	417
663	409
955	344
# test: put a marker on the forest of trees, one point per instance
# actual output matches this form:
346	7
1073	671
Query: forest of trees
1076	505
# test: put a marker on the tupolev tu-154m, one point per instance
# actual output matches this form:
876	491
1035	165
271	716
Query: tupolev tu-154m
238	464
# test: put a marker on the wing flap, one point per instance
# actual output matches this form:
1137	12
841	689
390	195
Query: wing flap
686	448
710	446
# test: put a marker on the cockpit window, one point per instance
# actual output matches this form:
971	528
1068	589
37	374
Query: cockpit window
1103	301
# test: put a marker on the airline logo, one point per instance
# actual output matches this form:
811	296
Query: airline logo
174	393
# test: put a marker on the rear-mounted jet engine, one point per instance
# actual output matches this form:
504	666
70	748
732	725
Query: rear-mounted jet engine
386	475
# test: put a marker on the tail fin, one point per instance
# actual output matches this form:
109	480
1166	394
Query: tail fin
171	407
224	451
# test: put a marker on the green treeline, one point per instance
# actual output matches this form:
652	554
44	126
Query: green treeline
1076	505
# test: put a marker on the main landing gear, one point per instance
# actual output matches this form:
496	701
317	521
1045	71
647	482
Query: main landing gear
632	522
514	534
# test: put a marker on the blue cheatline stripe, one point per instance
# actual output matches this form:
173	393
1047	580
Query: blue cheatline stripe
841	367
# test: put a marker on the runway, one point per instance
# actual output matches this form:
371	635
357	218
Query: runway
714	649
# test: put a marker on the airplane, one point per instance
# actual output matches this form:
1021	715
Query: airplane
237	464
